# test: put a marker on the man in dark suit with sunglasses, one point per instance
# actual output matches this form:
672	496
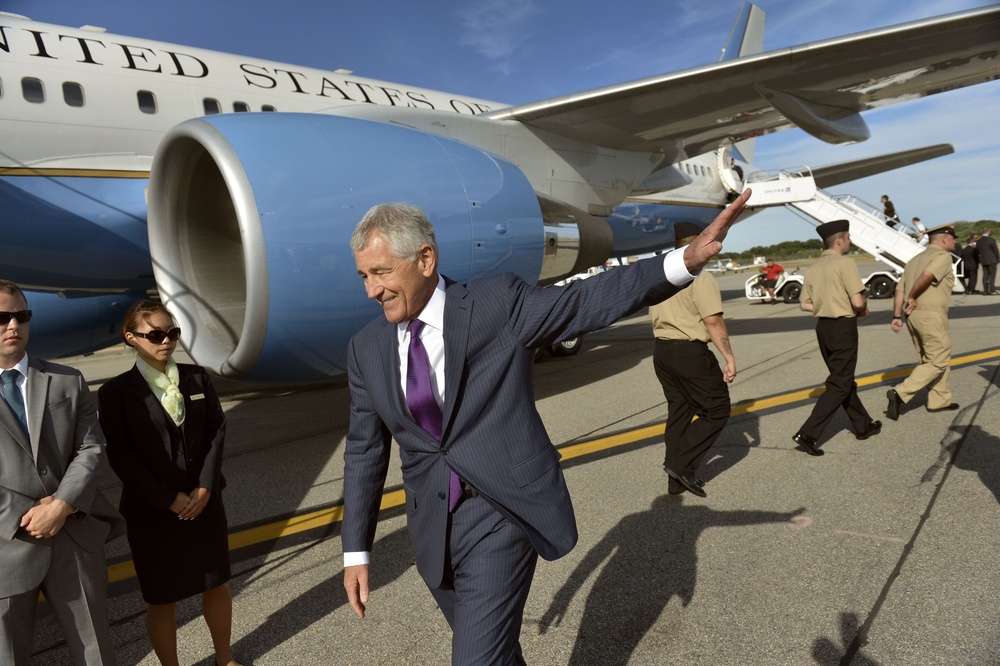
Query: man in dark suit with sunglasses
53	519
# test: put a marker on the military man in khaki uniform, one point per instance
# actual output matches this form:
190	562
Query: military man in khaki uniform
834	293
689	372
924	294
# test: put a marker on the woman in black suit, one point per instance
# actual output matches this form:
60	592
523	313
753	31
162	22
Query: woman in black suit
165	430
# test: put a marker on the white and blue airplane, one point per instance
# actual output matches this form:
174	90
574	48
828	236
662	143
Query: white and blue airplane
229	185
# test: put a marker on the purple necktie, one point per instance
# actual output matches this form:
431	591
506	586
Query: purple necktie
420	400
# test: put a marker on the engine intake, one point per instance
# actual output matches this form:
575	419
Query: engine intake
250	217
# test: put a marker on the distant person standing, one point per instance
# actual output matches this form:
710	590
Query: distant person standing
689	372
891	218
834	294
771	271
970	264
922	237
986	248
924	295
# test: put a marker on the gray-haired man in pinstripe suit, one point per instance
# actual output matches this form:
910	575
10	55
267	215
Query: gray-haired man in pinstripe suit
478	557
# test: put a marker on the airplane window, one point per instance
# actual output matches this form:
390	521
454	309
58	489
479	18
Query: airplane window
147	101
267	107
72	93
32	90
241	107
211	106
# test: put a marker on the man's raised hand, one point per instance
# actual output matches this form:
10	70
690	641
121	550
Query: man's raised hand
709	242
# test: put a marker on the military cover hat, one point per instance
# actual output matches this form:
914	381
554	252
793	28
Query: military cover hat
831	228
943	229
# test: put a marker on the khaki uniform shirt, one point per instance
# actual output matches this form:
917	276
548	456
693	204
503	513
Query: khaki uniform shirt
681	316
829	285
937	262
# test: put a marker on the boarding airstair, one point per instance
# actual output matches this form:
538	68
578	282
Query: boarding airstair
893	246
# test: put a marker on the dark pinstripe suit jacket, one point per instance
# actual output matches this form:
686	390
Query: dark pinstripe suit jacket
493	436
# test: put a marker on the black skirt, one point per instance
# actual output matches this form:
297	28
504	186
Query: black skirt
176	559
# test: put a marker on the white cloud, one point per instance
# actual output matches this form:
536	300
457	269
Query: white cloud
497	28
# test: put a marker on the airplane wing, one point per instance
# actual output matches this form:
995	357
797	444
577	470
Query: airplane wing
843	172
820	87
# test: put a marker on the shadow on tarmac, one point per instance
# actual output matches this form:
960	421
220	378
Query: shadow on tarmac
741	434
977	452
395	558
828	653
641	575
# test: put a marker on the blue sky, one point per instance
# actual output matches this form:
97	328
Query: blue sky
518	51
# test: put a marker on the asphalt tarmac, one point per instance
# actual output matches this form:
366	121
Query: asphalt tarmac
882	552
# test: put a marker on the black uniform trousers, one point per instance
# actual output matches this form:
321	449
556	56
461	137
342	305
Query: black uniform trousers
693	386
838	343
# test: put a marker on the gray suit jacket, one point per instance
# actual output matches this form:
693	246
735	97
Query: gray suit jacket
493	436
63	459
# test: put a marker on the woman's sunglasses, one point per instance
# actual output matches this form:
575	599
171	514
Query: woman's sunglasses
156	336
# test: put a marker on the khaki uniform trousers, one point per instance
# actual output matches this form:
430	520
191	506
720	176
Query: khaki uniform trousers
932	339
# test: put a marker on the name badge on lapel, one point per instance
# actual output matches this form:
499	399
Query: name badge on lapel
198	396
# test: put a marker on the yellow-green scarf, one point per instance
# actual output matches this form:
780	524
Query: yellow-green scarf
164	387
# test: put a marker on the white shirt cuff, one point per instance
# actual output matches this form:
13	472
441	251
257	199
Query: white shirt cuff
354	559
674	268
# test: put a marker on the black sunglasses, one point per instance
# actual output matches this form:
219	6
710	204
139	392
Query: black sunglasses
22	317
156	336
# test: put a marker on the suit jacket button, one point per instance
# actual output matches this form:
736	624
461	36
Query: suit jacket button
442	496
43	471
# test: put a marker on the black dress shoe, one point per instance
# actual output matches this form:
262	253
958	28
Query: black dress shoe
873	428
895	402
807	443
948	408
693	486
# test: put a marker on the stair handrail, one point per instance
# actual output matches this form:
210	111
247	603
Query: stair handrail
779	174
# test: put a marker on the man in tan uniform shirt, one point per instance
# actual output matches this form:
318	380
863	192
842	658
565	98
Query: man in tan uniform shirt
689	373
834	293
924	293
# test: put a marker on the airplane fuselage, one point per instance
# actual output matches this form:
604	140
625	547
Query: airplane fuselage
84	111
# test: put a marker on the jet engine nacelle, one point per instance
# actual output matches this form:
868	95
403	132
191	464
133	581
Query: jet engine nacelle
250	218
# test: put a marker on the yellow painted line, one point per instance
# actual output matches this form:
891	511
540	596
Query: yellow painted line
73	173
395	498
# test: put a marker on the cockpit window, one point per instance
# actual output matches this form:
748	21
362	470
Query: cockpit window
147	101
33	90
